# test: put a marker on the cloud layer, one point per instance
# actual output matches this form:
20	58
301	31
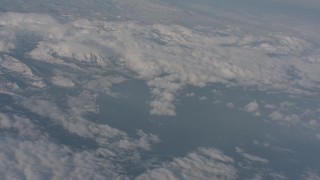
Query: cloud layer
170	57
86	57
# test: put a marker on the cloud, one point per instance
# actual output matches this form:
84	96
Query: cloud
144	142
203	98
256	167
253	107
304	116
165	55
190	94
288	119
307	3
40	159
32	150
8	40
270	106
250	157
16	67
83	103
270	175
162	107
28	153
216	92
62	81
230	105
33	155
205	163
100	83
311	174
72	119
163	93
269	145
33	23
9	122
276	116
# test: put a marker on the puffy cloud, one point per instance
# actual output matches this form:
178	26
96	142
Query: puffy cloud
144	142
163	91
304	116
205	163
252	107
290	119
27	152
162	107
276	116
62	81
23	126
270	106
